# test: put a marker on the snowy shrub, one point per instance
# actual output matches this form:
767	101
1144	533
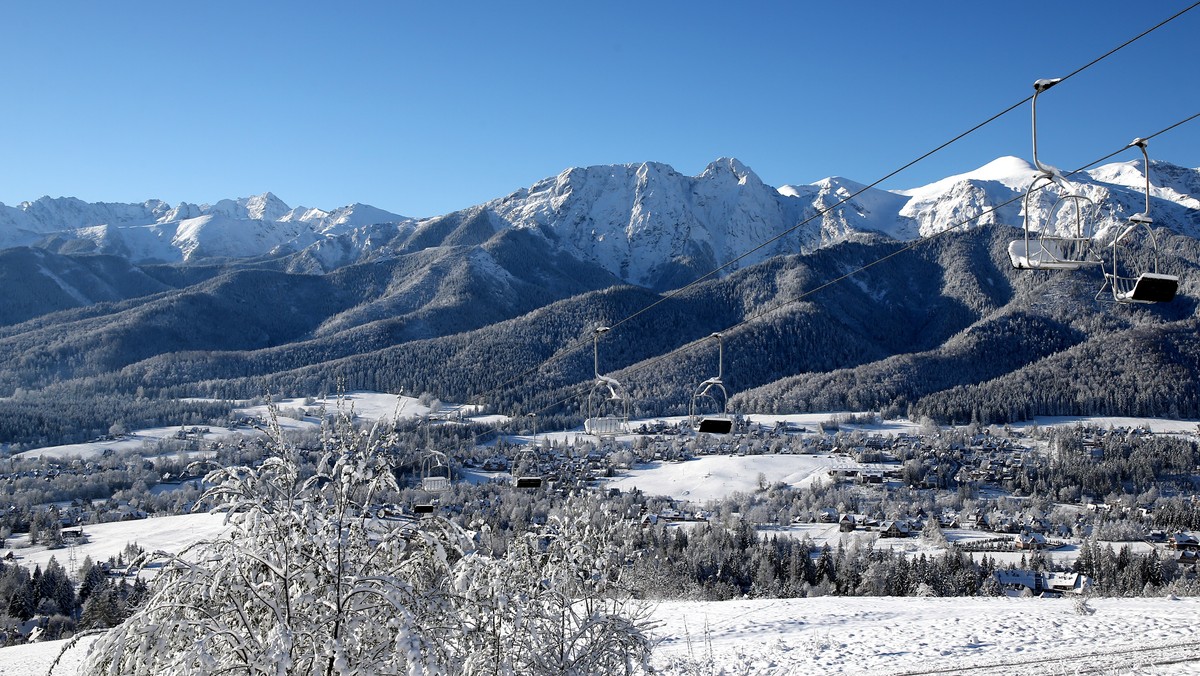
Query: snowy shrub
552	605
308	581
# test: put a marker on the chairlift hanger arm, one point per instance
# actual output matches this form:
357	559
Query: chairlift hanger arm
1141	145
1045	169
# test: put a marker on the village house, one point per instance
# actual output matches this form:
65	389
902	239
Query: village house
894	529
1017	580
1183	541
1030	541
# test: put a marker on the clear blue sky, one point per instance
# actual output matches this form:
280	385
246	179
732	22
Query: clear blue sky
425	108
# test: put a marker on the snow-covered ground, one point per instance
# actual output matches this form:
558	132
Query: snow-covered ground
376	406
835	635
1156	425
717	476
784	636
141	440
830	635
363	405
167	533
35	659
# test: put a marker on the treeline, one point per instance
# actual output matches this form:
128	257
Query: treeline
1118	464
1151	371
98	602
64	415
947	331
987	350
714	562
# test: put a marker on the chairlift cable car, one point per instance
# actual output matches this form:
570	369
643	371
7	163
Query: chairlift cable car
435	474
1149	286
1146	287
720	422
531	478
605	389
1042	248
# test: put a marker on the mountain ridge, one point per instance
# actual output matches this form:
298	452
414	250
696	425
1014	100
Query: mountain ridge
461	304
645	223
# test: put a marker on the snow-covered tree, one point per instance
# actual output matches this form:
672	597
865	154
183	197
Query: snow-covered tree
554	604
309	580
306	580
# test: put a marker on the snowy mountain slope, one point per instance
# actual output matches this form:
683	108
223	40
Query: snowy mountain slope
1116	191
645	223
872	210
29	221
37	281
153	231
654	227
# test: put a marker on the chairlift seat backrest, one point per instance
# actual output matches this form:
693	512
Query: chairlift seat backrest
715	426
1046	253
435	483
529	482
1152	288
606	425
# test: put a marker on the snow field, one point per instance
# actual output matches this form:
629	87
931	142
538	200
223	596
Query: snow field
167	533
838	635
715	477
829	635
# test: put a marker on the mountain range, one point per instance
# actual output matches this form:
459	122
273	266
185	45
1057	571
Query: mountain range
494	303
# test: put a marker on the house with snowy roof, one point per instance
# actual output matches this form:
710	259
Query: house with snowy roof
1030	541
1183	541
1037	582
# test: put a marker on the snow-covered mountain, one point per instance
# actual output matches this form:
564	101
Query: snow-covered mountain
155	231
986	195
645	223
652	226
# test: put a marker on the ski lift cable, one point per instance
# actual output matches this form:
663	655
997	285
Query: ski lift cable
908	247
578	344
903	168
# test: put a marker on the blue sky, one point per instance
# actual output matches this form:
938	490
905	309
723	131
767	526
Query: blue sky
425	108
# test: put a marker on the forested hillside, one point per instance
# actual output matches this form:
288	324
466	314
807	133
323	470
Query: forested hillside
831	296
947	329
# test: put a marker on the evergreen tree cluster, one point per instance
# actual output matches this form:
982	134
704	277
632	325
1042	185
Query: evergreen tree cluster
98	602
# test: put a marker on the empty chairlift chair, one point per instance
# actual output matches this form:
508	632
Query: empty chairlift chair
717	422
1043	246
1147	286
435	479
608	405
525	470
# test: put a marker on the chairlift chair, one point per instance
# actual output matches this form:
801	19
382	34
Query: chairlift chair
713	388
435	479
435	472
608	405
1146	287
532	478
1042	248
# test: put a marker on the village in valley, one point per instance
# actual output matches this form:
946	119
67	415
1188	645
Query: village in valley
1035	502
